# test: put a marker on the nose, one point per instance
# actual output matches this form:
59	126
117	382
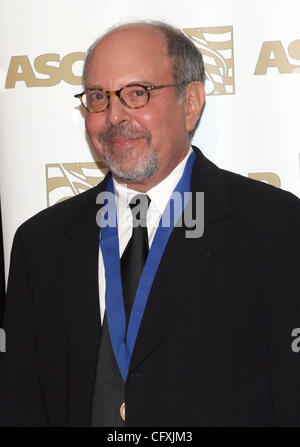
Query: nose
116	111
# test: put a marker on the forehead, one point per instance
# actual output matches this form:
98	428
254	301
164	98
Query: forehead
127	55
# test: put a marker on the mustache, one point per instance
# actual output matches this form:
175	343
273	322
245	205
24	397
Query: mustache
122	131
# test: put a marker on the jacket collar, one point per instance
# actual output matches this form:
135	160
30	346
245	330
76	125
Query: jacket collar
176	282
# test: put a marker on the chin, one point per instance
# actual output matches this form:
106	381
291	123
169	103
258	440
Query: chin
139	173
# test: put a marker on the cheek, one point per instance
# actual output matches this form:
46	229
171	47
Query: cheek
149	122
156	121
93	125
167	123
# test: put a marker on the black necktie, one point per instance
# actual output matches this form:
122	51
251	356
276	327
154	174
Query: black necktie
136	251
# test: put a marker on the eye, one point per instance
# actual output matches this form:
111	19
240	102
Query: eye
135	92
139	92
96	96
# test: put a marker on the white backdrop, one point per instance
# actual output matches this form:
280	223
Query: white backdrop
250	124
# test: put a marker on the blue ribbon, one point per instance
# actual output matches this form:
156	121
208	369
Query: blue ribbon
109	243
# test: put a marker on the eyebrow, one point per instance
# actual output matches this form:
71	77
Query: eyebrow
130	83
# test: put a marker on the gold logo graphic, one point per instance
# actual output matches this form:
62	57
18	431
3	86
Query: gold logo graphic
268	177
273	54
216	46
65	180
215	43
20	69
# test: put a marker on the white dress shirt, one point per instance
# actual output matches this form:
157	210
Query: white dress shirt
159	196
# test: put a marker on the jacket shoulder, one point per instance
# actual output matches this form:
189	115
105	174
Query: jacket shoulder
258	194
244	196
56	216
260	208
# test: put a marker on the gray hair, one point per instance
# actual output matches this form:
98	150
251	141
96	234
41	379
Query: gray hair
186	59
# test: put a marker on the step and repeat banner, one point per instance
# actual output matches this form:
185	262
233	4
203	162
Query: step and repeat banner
251	121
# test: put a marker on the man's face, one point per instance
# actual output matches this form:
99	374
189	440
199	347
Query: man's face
140	146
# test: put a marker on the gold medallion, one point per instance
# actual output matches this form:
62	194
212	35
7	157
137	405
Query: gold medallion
122	411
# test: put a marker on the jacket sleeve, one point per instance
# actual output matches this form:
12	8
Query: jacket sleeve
21	402
283	325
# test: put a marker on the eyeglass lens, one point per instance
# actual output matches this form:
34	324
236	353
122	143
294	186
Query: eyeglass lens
134	96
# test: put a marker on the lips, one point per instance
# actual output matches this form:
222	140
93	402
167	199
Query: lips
122	141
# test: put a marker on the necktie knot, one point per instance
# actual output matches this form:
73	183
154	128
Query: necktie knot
139	205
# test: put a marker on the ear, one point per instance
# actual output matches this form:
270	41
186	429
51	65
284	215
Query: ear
193	103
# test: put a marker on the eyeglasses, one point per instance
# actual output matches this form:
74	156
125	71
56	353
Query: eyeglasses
133	96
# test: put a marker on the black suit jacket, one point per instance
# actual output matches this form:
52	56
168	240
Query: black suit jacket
214	346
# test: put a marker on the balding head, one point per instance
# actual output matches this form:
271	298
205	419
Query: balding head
186	59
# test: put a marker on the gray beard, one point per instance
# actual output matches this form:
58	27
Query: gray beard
132	174
137	171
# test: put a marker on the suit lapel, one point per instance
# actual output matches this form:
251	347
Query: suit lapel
80	304
185	260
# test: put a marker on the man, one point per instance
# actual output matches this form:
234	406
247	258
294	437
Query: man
207	341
